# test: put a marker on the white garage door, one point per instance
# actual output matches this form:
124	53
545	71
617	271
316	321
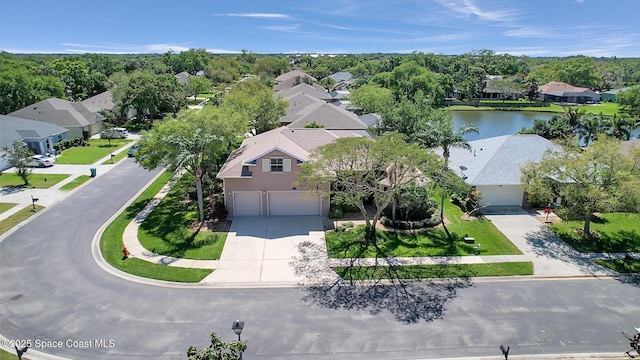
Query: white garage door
247	203
507	195
293	203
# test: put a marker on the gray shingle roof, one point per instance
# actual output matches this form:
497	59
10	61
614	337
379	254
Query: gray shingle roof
294	73
297	102
59	112
305	89
341	76
329	116
14	128
498	160
102	101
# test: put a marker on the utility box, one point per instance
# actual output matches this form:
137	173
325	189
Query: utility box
469	240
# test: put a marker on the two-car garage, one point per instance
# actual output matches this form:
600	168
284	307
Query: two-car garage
250	203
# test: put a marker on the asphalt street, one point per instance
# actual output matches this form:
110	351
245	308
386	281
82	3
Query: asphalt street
52	292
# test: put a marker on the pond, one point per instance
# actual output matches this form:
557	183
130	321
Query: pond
496	123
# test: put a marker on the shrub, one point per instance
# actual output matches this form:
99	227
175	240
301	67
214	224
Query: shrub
335	212
411	224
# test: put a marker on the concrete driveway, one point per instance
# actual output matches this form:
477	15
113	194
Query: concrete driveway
269	251
551	256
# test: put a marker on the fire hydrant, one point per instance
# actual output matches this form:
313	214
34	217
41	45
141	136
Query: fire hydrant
125	253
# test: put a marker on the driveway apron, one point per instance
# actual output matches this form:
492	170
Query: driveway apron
264	250
550	255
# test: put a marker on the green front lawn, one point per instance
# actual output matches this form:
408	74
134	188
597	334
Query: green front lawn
6	206
9	356
18	217
632	266
432	242
167	229
75	182
111	244
36	181
86	155
435	271
618	232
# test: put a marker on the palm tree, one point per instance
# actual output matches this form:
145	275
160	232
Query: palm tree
446	138
589	128
619	127
573	115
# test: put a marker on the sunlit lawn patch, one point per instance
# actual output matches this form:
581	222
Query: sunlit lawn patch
617	232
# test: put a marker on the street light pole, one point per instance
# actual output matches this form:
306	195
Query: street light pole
237	328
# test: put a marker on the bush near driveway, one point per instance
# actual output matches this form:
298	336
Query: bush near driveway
433	242
617	233
86	155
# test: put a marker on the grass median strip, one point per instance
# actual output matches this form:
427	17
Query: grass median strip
75	183
119	156
18	217
6	206
434	271
111	244
36	181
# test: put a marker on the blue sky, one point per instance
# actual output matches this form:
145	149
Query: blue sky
518	27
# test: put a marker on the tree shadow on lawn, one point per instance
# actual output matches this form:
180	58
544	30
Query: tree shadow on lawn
387	287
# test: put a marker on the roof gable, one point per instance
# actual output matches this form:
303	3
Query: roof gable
305	89
60	112
14	128
297	143
293	74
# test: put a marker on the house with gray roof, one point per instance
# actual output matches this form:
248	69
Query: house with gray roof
328	116
183	77
38	136
297	102
306	89
102	101
493	166
73	116
259	178
612	95
556	91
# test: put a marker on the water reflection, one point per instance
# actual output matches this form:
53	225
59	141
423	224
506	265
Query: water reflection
496	123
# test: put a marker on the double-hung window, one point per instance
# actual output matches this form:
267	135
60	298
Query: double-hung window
277	164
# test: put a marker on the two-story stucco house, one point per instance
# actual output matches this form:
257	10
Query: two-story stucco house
260	177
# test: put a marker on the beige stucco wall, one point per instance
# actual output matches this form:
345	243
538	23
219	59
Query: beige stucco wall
267	181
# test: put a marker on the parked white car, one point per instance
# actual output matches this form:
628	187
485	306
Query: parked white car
41	161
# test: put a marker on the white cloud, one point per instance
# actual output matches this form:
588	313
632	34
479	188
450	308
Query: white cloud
257	15
528	32
469	8
283	28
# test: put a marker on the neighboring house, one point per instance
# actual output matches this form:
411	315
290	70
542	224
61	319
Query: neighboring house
612	95
73	116
338	95
293	78
306	89
493	166
328	116
297	102
565	93
492	91
342	79
370	120
183	77
259	177
102	101
38	136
